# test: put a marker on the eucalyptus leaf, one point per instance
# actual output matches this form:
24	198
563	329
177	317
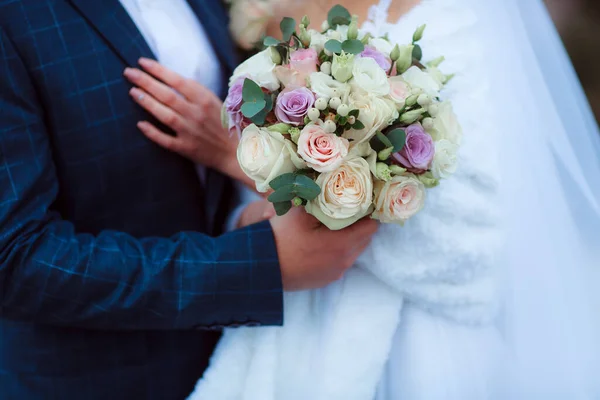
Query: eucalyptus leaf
383	139
283	180
334	46
251	92
282	208
288	27
251	109
284	193
306	188
270	41
353	46
398	139
338	15
417	52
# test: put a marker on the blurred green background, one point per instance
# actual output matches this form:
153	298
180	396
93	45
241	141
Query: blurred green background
578	22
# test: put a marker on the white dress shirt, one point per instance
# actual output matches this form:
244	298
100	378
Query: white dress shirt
176	37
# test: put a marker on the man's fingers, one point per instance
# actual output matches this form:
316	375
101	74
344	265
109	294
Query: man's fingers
169	77
159	137
159	91
163	113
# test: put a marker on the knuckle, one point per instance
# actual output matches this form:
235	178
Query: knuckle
170	98
171	120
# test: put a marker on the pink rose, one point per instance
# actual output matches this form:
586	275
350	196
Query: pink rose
304	61
322	151
289	77
399	90
398	199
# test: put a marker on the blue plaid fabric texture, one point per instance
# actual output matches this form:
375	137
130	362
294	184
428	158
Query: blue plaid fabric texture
109	275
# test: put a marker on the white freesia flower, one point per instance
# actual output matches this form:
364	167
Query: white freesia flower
369	76
346	194
375	113
398	199
264	155
445	159
259	68
417	78
446	125
324	85
382	45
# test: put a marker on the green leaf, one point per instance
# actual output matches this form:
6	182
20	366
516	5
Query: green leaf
252	109
284	193
383	139
334	46
283	207
358	125
259	119
417	52
270	41
342	120
398	139
288	27
353	46
251	91
354	113
283	180
338	15
306	188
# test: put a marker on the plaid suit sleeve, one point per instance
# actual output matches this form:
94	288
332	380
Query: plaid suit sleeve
51	274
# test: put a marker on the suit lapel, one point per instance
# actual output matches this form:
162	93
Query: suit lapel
113	23
215	21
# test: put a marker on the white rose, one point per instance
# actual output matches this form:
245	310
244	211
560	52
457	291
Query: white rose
398	199
445	124
346	194
249	20
375	113
264	155
368	76
259	68
382	45
324	85
445	159
420	79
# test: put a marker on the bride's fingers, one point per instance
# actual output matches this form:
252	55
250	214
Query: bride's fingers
171	78
168	142
159	90
163	113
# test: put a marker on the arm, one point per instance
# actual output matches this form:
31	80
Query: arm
51	274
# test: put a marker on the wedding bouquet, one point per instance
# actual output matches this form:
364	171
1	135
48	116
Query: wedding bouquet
342	123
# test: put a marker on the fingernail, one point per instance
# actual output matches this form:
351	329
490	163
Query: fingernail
131	73
136	94
145	62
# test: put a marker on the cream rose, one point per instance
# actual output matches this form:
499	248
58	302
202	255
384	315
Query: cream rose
445	159
322	151
398	199
369	77
324	85
346	194
259	68
249	20
264	155
399	90
446	125
375	113
420	79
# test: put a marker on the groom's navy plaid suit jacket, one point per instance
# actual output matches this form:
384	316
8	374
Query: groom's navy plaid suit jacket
101	294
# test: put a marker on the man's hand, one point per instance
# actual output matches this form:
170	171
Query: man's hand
310	255
256	212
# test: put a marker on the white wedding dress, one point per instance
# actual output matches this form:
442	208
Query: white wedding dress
488	293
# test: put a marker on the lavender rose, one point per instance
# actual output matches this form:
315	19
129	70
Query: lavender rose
419	150
382	60
293	105
233	105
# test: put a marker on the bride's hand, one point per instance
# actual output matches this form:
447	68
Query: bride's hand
192	111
